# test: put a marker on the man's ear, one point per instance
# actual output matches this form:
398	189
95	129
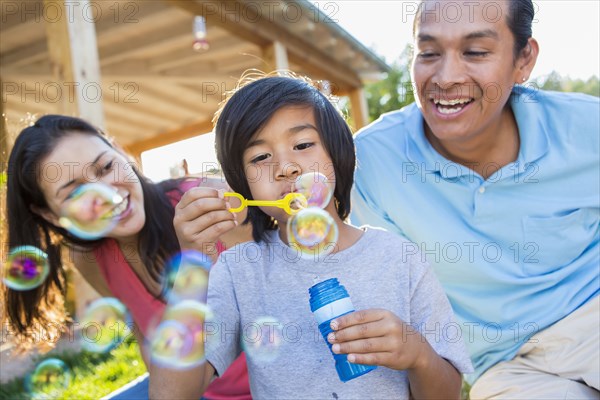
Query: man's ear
45	213
528	58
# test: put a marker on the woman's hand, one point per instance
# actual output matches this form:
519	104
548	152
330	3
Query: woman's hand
378	337
201	216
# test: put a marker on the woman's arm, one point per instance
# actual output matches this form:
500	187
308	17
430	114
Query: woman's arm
84	262
180	384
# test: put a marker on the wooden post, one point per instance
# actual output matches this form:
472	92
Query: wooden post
275	56
73	53
3	168
3	136
360	110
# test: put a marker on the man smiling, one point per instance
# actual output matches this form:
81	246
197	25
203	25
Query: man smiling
498	184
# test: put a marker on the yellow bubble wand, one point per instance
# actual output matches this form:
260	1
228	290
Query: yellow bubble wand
297	200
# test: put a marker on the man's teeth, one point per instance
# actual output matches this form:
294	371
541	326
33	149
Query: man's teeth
451	102
444	104
449	110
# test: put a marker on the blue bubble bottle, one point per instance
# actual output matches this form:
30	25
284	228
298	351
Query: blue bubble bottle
329	300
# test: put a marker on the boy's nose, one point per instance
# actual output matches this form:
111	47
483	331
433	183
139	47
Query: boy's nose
289	171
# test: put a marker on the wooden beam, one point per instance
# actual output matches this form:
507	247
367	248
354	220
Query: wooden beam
23	41
275	55
163	139
201	100
123	18
248	25
118	19
188	56
156	42
4	151
74	59
360	110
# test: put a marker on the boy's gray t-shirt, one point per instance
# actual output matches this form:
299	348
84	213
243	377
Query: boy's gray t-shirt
261	289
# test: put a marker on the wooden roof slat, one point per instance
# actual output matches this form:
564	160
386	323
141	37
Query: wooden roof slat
188	55
154	44
263	32
192	100
185	132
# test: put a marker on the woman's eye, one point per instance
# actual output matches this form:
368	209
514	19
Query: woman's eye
303	146
108	166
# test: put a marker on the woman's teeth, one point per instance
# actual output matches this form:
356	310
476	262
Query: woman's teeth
118	210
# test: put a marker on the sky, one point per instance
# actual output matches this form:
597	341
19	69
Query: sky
568	33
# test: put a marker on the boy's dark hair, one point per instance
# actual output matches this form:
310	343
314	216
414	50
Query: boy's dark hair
251	106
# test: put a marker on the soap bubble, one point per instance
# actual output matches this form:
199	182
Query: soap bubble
171	342
178	341
313	232
262	339
188	276
26	268
92	210
106	323
316	187
311	226
48	380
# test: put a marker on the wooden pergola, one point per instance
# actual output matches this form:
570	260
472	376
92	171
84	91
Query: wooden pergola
129	66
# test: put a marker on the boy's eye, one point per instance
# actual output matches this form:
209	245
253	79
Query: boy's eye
303	146
259	158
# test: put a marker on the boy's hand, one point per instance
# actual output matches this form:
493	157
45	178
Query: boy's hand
378	337
201	216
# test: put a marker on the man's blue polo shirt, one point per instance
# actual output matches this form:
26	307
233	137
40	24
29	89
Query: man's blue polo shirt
516	252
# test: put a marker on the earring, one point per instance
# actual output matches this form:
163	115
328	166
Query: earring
523	79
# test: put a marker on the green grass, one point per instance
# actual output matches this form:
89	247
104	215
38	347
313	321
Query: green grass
93	375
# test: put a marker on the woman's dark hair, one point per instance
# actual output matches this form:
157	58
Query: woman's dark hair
519	21
251	106
43	306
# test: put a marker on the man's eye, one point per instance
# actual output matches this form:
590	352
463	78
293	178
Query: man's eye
476	53
426	55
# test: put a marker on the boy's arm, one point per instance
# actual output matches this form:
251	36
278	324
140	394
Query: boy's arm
379	337
434	378
168	383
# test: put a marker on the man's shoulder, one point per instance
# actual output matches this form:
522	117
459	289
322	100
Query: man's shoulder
395	123
570	102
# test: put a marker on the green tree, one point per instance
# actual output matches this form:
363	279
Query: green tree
393	92
554	81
